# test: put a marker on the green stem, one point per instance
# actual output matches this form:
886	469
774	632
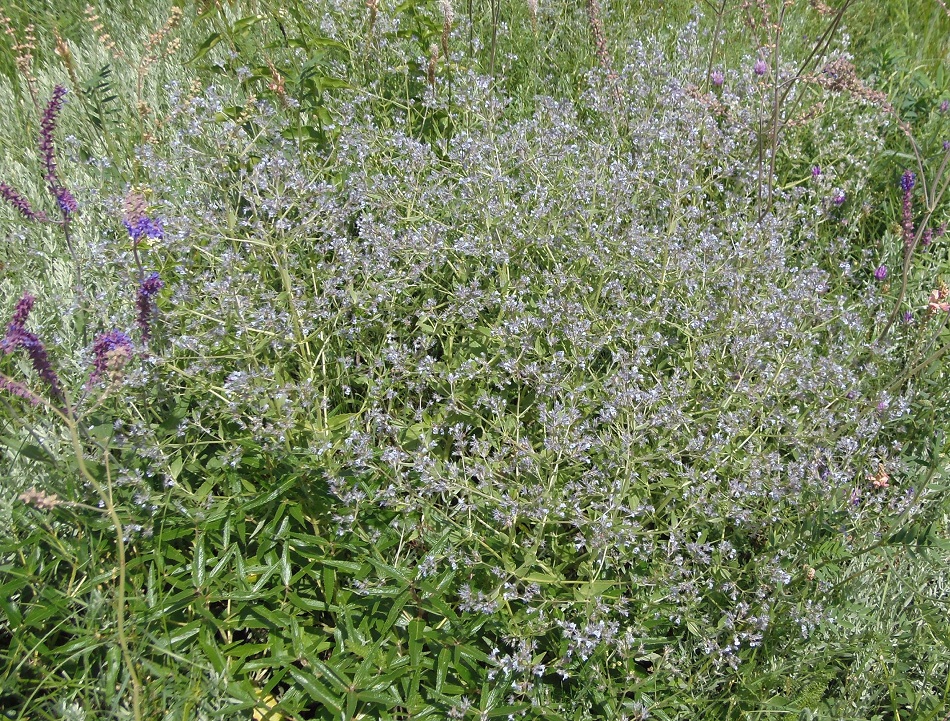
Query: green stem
106	495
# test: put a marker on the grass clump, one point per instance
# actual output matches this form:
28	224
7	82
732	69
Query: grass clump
393	381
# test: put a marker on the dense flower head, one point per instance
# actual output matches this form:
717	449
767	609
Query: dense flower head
110	353
65	200
761	67
151	285
908	179
717	77
816	171
144	227
881	272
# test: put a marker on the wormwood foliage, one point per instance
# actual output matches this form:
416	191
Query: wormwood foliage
391	389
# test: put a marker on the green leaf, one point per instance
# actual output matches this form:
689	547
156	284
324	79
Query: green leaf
208	644
198	568
270	497
442	668
315	689
205	47
244	24
416	629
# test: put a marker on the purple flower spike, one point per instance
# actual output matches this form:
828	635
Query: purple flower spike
839	198
19	390
39	358
717	78
908	179
881	272
110	352
64	199
151	285
18	336
760	68
23	308
16	332
67	203
21	204
908	316
144	227
149	288
944	106
47	128
816	171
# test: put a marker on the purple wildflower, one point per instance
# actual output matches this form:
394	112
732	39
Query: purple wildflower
816	171
19	390
18	336
944	106
839	197
16	330
22	310
47	128
717	77
946	144
908	316
908	179
928	237
110	352
881	272
144	227
760	68
64	199
39	358
20	203
148	289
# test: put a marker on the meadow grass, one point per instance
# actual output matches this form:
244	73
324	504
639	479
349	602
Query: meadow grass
474	360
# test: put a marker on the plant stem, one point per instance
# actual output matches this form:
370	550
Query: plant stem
106	495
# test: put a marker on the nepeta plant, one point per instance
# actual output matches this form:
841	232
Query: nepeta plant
536	413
